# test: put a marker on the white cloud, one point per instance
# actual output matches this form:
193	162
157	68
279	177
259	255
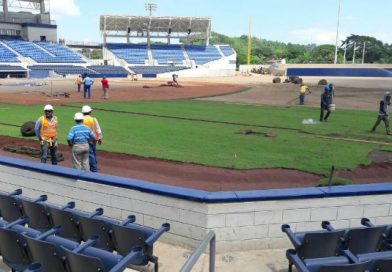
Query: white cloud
316	35
61	8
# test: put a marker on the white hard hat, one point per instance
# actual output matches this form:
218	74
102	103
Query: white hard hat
78	116
48	108
86	109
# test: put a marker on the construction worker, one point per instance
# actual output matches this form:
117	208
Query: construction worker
304	90
46	131
326	101
93	124
87	82
383	113
78	138
78	82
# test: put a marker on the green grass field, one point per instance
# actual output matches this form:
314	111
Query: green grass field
172	130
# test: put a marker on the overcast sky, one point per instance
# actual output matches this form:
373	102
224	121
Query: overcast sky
300	21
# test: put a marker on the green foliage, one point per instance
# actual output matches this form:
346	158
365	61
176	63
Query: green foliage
376	51
264	50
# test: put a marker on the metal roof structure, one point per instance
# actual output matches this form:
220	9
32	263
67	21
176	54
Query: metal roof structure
154	27
25	5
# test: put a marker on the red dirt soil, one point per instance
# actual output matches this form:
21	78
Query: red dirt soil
203	177
121	93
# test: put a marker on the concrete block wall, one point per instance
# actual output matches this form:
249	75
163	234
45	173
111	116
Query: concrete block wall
257	225
238	225
187	219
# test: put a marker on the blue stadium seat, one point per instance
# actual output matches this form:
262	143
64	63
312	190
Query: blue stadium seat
202	54
7	55
43	52
156	69
10	206
21	245
63	69
131	53
226	50
167	53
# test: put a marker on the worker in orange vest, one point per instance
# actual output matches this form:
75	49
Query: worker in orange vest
46	131
92	123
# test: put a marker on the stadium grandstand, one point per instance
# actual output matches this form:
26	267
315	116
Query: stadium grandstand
29	47
157	54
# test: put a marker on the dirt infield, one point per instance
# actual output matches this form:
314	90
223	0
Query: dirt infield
286	95
121	90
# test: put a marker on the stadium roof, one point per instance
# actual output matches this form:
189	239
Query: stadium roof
155	24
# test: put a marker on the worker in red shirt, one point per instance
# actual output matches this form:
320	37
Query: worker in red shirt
105	88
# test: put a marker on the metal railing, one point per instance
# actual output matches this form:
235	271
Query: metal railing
208	239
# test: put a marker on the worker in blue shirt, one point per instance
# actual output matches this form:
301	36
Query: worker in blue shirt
78	138
87	82
326	101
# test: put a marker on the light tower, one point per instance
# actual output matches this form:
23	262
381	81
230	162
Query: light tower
150	7
337	34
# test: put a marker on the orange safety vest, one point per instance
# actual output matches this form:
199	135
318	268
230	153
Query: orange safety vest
48	129
90	122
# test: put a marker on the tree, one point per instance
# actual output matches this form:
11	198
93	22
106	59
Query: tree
323	53
376	51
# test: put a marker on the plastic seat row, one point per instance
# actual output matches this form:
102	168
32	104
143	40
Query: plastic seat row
156	69
43	52
12	68
131	53
202	54
226	50
108	69
63	69
7	55
366	248
61	52
32	229
165	53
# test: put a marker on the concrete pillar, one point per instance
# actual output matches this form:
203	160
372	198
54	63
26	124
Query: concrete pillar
5	8
42	6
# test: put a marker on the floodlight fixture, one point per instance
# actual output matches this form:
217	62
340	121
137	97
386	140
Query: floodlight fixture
150	7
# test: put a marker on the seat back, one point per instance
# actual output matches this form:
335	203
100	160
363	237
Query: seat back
10	208
68	221
126	238
364	240
47	254
382	265
79	262
362	267
38	214
14	250
91	227
320	244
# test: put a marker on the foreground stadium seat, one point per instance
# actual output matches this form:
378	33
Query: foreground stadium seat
13	247
334	264
49	255
37	212
91	226
65	218
361	240
78	261
126	237
315	244
10	206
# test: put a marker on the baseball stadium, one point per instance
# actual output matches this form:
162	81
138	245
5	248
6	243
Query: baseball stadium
201	163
